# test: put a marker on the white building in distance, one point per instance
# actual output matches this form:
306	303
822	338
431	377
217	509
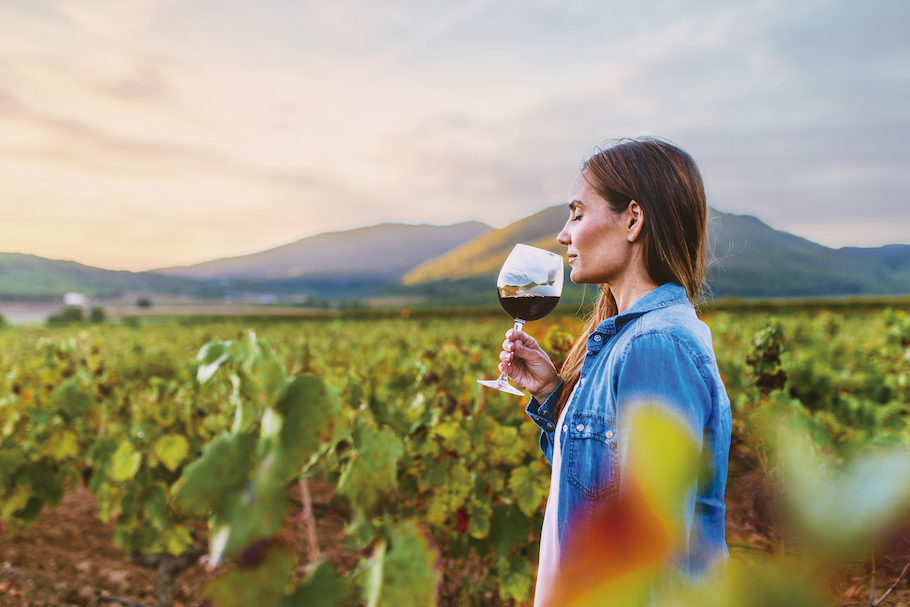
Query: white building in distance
76	299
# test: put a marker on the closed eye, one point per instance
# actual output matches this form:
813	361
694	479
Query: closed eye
575	210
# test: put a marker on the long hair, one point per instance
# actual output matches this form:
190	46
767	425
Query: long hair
665	182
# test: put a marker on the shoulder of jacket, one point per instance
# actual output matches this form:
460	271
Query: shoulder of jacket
679	316
681	328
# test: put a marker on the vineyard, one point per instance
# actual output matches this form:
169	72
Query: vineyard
352	461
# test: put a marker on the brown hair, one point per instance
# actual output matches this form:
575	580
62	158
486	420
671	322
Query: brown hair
665	182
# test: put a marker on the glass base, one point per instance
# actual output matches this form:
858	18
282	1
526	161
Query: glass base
502	385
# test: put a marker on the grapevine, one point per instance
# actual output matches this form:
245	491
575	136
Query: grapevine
201	437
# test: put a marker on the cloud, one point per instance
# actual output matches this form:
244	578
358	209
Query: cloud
145	80
123	198
83	147
113	19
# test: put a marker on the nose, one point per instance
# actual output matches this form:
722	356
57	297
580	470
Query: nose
564	238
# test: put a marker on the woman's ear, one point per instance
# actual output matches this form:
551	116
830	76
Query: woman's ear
636	217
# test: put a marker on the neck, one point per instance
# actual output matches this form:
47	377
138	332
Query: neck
630	290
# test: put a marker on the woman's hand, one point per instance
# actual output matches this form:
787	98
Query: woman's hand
527	365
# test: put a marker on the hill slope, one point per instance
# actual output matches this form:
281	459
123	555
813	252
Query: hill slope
750	259
754	260
459	264
485	254
31	276
380	253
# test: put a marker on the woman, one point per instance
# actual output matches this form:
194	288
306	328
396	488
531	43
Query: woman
637	227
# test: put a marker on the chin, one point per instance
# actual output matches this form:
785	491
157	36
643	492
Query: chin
579	278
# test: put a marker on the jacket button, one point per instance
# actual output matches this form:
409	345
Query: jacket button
597	338
565	428
609	434
543	411
580	427
550	426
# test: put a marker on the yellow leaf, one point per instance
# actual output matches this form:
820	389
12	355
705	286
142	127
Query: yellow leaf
124	463
15	501
164	414
624	545
178	540
172	450
109	502
9	415
664	456
62	444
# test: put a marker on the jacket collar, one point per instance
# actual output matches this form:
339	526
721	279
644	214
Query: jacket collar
665	295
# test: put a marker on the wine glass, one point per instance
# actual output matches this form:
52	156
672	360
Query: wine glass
529	286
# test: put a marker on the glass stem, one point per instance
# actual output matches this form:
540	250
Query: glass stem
518	326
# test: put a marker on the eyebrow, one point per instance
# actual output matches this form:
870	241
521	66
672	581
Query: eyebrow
574	204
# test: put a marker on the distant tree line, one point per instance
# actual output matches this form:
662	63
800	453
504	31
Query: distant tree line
73	315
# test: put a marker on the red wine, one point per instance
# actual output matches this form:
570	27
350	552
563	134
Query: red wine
528	307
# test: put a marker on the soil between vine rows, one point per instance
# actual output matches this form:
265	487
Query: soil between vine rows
68	557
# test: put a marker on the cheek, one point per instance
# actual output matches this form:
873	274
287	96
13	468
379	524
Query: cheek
580	239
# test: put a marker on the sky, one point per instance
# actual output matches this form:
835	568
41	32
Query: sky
138	134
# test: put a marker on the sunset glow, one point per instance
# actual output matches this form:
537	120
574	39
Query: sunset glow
137	134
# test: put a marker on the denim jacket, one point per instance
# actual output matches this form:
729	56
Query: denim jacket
655	351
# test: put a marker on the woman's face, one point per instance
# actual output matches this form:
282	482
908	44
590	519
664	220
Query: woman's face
599	247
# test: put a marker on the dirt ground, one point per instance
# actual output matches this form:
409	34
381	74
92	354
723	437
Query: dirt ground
68	557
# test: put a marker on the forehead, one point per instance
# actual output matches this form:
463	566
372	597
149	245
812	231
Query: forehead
583	192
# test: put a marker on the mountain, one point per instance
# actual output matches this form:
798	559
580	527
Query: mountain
751	259
748	259
458	265
485	254
374	254
30	276
338	265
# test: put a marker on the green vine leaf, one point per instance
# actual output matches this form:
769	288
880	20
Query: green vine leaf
223	467
369	479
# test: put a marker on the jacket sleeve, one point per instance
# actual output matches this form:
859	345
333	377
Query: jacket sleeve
544	415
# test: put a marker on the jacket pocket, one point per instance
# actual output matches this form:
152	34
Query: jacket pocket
591	454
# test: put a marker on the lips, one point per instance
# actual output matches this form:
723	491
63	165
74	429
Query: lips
572	258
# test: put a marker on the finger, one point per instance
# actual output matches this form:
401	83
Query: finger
506	357
522	338
515	334
508	369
